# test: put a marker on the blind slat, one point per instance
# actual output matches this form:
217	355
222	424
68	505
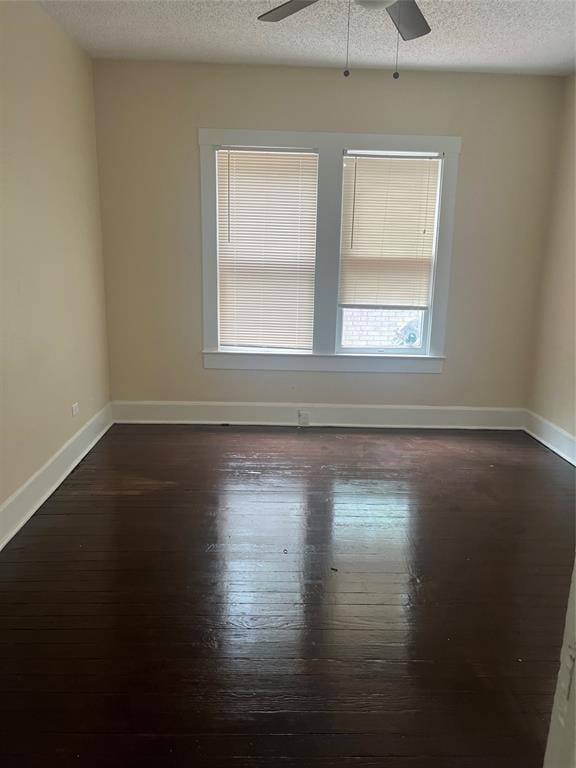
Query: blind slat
388	232
266	248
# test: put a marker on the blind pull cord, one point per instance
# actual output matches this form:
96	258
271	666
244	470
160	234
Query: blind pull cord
228	195
427	201
353	205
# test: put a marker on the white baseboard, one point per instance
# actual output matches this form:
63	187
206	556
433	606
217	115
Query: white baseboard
320	414
19	508
557	439
323	414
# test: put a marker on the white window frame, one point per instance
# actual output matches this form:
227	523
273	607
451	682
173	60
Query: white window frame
326	355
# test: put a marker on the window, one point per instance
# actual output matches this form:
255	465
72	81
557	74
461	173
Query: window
326	251
266	248
387	246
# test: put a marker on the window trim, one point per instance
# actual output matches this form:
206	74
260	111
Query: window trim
250	360
331	148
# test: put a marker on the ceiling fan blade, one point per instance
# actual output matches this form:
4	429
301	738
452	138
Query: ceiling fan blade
409	19
286	9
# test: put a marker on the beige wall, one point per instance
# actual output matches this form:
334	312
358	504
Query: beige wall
553	393
53	321
147	116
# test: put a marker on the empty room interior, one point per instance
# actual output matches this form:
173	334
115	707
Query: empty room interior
288	384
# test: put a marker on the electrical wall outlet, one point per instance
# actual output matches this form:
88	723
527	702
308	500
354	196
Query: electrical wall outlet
303	418
75	409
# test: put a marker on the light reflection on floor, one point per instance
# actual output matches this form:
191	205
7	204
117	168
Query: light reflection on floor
323	545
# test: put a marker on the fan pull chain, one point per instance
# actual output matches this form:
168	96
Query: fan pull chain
347	70
396	74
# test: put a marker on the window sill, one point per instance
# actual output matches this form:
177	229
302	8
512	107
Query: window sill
295	361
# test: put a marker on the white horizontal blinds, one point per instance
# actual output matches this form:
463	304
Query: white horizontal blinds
388	233
266	247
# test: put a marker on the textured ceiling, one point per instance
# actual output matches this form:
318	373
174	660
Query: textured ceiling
467	35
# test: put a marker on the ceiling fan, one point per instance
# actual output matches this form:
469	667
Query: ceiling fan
407	17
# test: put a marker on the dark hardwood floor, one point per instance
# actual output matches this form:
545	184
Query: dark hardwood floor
320	598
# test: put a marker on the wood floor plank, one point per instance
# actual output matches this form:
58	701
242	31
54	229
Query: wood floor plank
315	598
